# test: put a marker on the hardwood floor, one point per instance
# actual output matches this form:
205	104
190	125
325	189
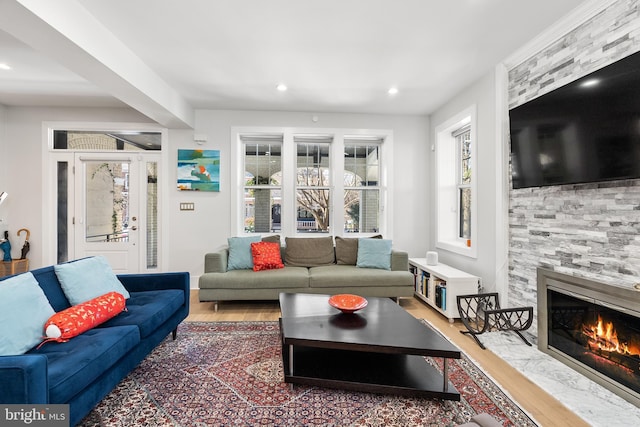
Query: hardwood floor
546	410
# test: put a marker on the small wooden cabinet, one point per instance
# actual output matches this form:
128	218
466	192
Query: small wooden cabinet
439	285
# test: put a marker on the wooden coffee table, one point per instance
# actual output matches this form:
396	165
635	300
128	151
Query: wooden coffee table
378	349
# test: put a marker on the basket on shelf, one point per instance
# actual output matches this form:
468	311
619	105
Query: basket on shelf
14	266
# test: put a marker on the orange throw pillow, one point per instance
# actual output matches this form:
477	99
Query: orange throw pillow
266	256
80	318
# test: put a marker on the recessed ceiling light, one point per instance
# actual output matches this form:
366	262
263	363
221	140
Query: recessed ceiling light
393	91
281	87
590	82
4	66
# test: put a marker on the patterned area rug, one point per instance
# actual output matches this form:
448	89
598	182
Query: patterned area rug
230	374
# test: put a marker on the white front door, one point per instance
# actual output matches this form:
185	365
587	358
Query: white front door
107	209
111	213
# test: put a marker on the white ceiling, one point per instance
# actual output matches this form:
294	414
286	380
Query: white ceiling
334	55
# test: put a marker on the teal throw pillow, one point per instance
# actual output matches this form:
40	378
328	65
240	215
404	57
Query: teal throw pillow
374	253
24	309
88	278
240	257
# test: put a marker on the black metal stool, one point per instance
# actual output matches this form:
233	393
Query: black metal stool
482	313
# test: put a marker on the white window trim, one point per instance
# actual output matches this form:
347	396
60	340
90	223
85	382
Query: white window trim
446	185
49	181
288	184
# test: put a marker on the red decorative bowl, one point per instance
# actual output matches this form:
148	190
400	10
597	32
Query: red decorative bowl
347	303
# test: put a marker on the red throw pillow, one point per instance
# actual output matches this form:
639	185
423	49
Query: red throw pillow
266	256
80	318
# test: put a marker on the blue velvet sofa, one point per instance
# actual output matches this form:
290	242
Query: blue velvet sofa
82	371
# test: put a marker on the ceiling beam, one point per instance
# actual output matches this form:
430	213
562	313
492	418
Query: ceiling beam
66	32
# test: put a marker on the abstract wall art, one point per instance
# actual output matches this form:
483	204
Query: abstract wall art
199	170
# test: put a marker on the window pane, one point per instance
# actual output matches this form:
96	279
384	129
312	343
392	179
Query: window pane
362	165
152	214
313	165
312	207
361	210
63	208
465	213
107	201
465	157
262	163
101	141
262	210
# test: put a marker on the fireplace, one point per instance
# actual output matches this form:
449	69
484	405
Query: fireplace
592	327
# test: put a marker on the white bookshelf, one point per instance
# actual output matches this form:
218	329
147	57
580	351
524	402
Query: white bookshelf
455	282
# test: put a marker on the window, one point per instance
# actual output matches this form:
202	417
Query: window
362	185
262	188
313	179
311	183
463	160
455	186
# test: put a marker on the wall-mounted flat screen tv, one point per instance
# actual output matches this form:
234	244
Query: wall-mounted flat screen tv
585	131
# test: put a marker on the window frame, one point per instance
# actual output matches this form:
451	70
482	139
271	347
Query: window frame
448	164
289	171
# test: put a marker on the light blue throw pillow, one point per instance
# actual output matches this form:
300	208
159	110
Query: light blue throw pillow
88	278
240	257
374	253
24	309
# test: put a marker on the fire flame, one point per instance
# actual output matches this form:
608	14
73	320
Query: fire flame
605	337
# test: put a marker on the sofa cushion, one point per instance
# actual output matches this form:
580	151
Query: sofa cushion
288	277
148	309
347	250
273	239
374	253
88	278
75	364
240	252
266	256
24	309
336	276
309	251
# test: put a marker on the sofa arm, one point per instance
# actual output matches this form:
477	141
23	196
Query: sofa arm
155	281
24	379
216	262
399	260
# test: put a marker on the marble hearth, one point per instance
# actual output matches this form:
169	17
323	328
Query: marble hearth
589	400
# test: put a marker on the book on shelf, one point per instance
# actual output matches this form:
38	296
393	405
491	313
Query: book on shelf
424	283
441	294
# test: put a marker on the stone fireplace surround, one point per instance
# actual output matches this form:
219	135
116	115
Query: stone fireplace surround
593	294
590	231
584	230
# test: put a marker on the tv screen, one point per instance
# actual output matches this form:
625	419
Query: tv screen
585	131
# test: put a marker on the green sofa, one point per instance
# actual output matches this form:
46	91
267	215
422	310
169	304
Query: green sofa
317	266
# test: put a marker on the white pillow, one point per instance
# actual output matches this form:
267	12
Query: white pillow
88	278
24	309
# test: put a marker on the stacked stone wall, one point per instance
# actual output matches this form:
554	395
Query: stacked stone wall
586	230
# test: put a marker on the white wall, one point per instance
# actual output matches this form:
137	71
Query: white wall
3	168
208	227
190	234
482	93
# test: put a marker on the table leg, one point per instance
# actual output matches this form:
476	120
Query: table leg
291	364
445	374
